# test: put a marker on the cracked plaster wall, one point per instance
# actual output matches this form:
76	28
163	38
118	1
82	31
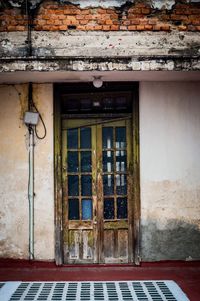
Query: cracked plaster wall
14	174
170	170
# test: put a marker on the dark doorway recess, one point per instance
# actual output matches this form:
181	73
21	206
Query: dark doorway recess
97	204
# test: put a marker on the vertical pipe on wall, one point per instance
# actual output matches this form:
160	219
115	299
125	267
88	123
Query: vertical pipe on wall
31	193
31	176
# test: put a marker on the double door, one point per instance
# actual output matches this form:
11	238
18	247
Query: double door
97	191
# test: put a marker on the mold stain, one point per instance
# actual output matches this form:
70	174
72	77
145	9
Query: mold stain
22	91
179	240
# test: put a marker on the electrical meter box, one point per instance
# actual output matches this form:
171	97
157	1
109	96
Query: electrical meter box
31	118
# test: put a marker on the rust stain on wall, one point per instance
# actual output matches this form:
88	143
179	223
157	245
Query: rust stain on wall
22	91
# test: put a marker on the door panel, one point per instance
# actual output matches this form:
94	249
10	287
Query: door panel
79	193
117	203
97	190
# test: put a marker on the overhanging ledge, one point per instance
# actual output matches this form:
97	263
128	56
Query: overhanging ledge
139	63
100	51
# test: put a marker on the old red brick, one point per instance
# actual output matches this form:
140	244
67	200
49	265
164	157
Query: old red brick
89	27
101	11
132	27
59	12
106	27
135	11
178	17
50	22
63	27
85	12
114	16
71	18
88	17
126	22
196	21
122	27
110	11
135	22
61	17
80	27
140	27
57	22
83	22
143	21
80	17
152	21
157	27
195	11
182	28
50	27
165	27
13	22
97	27
148	27
109	22
41	22
114	27
66	22
20	28
11	28
46	17
146	11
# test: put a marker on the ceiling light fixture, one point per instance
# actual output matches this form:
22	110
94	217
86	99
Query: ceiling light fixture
97	82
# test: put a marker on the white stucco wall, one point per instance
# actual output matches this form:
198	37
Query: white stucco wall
170	170
14	174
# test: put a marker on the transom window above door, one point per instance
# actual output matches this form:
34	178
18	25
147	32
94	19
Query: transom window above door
98	102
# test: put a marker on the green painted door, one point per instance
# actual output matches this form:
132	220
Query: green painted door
97	191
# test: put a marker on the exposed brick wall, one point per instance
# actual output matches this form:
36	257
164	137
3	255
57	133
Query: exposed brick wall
139	17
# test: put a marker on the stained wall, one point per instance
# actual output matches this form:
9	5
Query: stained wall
170	170
14	174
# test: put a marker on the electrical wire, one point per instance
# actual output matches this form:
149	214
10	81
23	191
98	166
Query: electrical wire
44	126
32	106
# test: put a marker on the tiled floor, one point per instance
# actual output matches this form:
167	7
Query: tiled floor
186	275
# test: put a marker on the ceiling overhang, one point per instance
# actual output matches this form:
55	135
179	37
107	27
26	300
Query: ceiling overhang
137	55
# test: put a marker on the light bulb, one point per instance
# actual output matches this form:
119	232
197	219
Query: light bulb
97	82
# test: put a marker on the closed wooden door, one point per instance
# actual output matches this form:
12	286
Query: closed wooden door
97	191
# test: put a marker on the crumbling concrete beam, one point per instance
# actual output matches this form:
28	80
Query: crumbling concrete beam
100	44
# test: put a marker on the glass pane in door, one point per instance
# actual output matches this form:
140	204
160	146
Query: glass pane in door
114	161
86	209
72	138
73	209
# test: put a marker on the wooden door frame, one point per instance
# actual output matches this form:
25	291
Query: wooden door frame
120	86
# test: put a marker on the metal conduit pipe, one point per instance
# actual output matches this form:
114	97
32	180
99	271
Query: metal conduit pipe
31	193
31	119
